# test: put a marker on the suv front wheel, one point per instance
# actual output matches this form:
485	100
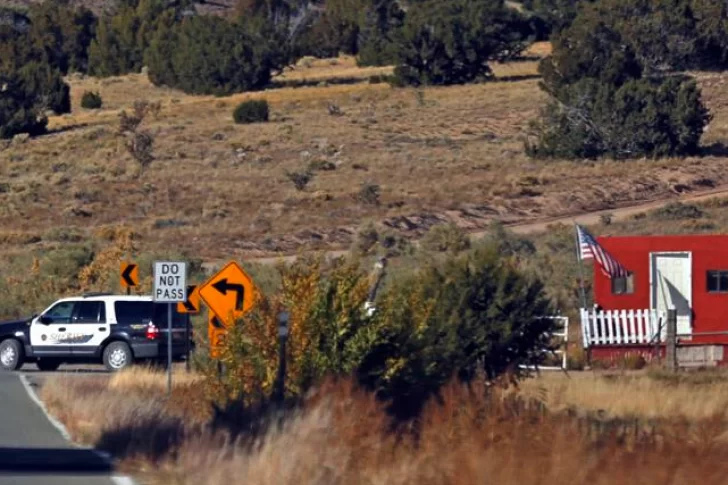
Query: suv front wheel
11	355
117	356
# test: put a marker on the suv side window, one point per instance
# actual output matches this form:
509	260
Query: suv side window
61	313
133	312
161	316
90	312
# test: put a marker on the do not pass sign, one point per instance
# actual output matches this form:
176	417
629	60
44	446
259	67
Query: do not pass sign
170	281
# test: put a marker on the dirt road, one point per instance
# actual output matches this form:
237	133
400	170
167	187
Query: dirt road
620	213
540	225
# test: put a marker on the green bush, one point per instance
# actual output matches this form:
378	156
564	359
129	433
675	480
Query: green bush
556	15
364	28
610	107
473	314
446	238
379	26
53	33
91	100
452	42
122	39
251	111
62	34
300	180
676	211
212	55
643	118
26	96
670	35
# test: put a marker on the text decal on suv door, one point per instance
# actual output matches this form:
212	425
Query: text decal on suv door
70	338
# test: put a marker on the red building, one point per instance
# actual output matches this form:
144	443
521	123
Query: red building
689	273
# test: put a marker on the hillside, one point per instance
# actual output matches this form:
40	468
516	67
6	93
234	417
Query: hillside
218	189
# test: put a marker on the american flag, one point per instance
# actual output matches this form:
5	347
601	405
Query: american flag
589	248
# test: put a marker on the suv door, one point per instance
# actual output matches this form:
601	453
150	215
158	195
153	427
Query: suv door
88	328
49	333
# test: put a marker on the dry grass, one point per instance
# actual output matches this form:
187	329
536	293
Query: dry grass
219	190
637	395
341	435
143	379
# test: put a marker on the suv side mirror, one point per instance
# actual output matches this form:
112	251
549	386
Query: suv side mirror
45	320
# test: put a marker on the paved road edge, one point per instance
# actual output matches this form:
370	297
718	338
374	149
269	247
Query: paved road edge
117	479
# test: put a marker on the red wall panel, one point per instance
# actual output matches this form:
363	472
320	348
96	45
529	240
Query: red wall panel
709	252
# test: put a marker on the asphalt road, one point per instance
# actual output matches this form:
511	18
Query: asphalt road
33	451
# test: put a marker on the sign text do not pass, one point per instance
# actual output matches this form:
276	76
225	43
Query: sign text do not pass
170	281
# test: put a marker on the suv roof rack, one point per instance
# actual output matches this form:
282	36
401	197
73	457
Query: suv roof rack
88	295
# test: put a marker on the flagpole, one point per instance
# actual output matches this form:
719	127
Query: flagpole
580	263
582	291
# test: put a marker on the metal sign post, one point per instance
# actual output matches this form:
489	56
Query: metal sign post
280	391
170	286
191	305
169	349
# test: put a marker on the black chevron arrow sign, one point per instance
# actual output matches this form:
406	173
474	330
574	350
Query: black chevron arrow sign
189	306
128	275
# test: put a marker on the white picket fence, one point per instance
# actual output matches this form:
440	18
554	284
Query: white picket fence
617	327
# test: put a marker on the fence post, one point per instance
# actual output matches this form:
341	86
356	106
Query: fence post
671	340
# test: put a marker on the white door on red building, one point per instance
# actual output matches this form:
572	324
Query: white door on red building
671	285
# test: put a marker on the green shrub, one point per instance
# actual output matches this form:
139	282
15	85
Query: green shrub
452	42
446	238
91	100
123	39
676	211
251	111
213	55
378	26
53	33
670	35
369	194
643	118
609	107
300	180
555	15
27	94
473	314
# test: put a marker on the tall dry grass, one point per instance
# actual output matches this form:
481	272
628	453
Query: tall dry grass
473	435
640	395
139	378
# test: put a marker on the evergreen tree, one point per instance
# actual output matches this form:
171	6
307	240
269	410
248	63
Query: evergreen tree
26	94
474	313
45	85
711	25
555	14
122	40
211	55
379	26
61	34
603	103
451	42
